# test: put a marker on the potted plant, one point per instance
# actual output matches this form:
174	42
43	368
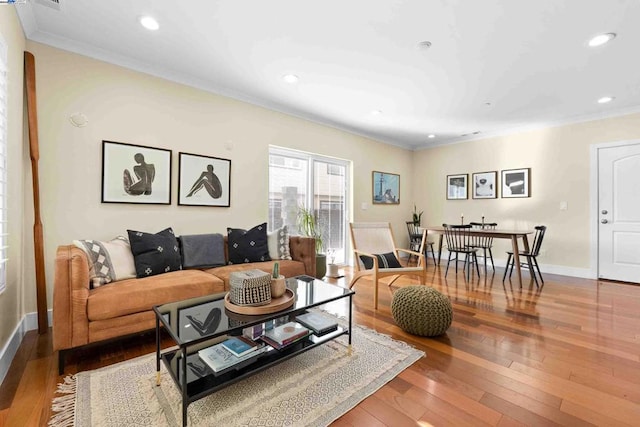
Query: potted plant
417	216
308	226
332	267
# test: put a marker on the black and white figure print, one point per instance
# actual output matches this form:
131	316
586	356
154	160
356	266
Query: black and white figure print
203	180
457	187
202	320
135	174
516	183
484	185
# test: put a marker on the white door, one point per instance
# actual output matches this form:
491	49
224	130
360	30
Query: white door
619	213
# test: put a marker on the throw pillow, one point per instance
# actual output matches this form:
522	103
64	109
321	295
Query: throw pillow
278	242
387	260
108	261
202	250
154	253
248	245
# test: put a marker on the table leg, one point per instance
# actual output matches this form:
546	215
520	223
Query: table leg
525	244
157	350
439	248
516	257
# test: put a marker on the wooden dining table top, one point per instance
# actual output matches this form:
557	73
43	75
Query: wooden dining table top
500	233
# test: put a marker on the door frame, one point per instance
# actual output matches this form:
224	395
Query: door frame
594	199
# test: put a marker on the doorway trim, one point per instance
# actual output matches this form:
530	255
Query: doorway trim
594	197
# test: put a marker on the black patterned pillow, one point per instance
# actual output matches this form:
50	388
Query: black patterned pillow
154	253
387	260
248	245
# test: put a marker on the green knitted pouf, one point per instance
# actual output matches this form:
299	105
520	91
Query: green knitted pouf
421	310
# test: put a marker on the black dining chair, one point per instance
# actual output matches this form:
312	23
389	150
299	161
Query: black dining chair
530	255
415	240
484	242
459	241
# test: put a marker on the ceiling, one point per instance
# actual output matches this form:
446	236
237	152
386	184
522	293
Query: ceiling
494	66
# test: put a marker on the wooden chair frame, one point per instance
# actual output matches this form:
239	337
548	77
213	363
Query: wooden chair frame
376	273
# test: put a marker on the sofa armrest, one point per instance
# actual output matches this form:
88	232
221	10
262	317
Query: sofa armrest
70	295
304	249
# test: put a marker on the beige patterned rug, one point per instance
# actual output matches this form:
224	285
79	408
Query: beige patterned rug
312	389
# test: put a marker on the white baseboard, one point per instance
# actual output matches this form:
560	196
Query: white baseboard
28	323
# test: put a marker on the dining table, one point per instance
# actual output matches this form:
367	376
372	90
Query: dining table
513	235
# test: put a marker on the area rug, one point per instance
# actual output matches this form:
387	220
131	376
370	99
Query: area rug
312	389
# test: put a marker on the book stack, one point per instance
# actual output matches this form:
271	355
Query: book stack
284	335
318	323
219	357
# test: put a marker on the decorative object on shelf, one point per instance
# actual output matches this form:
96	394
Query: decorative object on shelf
457	187
484	185
250	287
203	180
386	188
417	216
309	227
135	174
278	285
516	183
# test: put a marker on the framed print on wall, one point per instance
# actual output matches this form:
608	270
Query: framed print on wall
516	183
386	188
135	174
484	185
457	187
203	180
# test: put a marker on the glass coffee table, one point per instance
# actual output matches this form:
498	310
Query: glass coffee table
200	322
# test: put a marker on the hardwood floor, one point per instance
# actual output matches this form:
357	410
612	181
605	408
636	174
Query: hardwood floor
566	354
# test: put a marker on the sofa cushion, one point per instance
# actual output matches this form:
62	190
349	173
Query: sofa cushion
278	242
108	261
248	245
202	250
155	253
288	268
136	295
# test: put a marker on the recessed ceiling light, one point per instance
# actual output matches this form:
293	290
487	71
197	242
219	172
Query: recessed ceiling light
605	99
376	112
601	39
149	23
424	45
431	136
290	78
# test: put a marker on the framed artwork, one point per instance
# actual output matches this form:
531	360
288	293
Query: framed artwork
203	180
386	188
516	183
135	174
457	187
484	185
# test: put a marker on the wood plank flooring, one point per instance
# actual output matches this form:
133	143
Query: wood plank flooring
566	354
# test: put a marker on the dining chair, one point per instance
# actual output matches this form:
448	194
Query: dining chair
459	241
415	240
530	255
376	256
484	242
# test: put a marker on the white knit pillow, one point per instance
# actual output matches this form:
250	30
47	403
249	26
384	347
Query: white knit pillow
278	242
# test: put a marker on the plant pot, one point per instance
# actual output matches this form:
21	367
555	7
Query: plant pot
321	266
278	287
332	270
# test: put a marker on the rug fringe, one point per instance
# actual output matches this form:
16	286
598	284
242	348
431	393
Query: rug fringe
64	407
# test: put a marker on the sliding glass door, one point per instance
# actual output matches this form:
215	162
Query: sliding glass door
317	183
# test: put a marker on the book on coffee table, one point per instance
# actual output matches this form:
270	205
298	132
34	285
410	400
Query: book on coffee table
219	358
286	334
240	346
318	323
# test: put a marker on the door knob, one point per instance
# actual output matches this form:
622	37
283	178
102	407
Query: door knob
604	212
604	221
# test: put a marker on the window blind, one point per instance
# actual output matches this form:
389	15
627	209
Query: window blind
3	167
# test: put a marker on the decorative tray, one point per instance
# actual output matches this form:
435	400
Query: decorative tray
275	305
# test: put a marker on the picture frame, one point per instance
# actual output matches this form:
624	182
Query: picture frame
386	188
458	187
203	180
484	185
516	183
135	174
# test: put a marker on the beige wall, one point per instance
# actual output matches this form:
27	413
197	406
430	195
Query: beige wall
560	172
11	309
127	106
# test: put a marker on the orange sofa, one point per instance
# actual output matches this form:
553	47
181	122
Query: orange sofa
84	316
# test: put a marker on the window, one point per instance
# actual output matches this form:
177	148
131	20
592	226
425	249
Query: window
315	182
3	166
